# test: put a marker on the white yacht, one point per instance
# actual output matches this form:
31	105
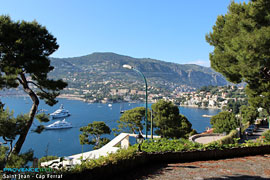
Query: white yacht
59	125
60	113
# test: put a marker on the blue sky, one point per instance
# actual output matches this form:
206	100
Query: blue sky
171	30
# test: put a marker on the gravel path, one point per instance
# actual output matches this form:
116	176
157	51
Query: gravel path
250	167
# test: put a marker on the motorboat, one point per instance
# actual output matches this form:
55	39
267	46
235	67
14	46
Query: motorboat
60	113
59	125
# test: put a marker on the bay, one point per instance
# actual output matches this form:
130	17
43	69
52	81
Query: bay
66	142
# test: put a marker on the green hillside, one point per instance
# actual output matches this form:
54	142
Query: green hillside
104	70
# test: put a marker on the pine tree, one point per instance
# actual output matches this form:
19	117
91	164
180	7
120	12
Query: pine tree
24	51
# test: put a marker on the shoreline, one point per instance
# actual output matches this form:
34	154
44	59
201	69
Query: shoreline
195	106
79	98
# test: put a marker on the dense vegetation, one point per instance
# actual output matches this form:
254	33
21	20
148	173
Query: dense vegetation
167	121
91	134
24	50
224	122
241	48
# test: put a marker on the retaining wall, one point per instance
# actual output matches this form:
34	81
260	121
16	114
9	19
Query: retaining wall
146	159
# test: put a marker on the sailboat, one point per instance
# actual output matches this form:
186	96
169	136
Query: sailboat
121	109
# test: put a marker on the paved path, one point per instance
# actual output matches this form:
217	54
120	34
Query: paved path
250	167
208	139
256	134
244	168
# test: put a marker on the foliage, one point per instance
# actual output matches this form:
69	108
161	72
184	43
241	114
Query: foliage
160	146
208	89
24	51
10	126
172	145
234	105
241	41
114	158
95	129
248	114
229	139
46	158
131	120
169	122
14	161
266	135
224	122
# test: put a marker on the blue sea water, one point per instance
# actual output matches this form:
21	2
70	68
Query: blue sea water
65	142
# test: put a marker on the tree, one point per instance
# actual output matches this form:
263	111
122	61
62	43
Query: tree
248	114
224	122
132	121
95	129
241	41
234	106
169	122
24	51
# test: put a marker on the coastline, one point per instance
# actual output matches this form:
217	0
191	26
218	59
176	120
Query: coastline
71	97
195	106
80	98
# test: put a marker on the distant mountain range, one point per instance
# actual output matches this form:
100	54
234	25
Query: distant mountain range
107	68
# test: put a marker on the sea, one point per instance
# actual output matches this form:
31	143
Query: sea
65	142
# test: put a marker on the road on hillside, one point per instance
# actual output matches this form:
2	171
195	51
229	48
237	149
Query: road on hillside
257	133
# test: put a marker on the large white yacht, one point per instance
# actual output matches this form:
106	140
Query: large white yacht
59	125
60	113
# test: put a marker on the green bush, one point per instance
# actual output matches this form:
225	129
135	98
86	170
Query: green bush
163	145
15	161
114	158
266	135
46	158
229	139
166	145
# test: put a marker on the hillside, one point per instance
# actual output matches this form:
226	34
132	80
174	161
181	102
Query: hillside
104	70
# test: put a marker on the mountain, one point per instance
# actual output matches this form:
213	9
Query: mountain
106	69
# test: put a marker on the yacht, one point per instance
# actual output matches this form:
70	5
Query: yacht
60	113
59	125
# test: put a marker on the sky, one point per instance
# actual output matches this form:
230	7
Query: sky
168	30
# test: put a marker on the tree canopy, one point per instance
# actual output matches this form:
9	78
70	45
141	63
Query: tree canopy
95	130
241	40
168	122
248	114
24	51
132	121
224	122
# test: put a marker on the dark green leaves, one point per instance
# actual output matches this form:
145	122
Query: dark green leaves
11	126
95	130
169	122
224	122
132	120
24	50
241	40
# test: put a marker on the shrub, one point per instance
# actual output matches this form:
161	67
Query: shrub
224	122
229	139
266	135
172	145
114	158
46	158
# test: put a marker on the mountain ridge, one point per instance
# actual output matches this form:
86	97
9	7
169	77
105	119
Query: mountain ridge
107	66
